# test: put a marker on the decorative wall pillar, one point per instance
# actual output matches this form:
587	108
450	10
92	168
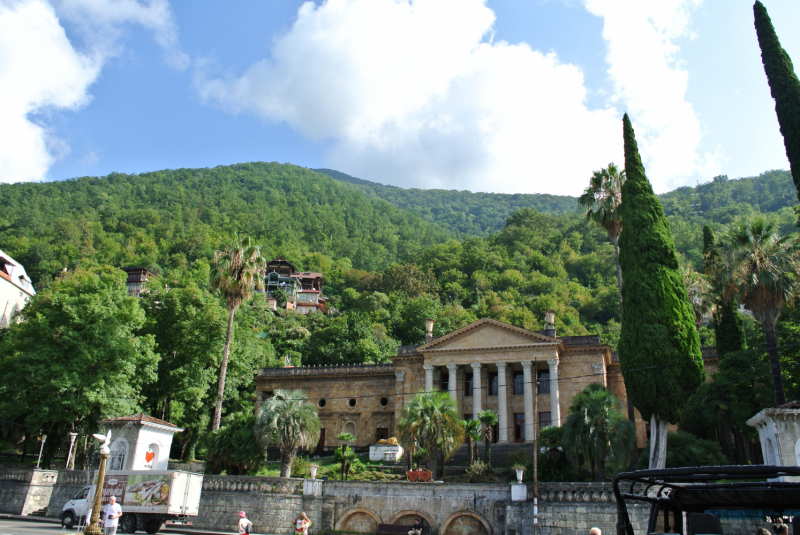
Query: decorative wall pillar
502	403
555	398
599	372
428	377
476	389
528	399
452	370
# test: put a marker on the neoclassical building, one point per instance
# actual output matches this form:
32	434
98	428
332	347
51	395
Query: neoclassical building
485	365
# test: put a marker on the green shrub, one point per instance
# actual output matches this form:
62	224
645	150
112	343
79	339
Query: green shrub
480	472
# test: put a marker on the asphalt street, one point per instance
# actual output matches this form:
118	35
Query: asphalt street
23	527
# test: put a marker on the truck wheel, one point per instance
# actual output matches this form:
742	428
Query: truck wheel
68	521
127	524
153	525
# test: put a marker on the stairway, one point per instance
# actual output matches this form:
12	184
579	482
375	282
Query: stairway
501	454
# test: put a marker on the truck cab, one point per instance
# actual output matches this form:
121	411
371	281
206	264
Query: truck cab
74	511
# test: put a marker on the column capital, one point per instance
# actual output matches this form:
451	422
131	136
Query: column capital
552	364
452	368
526	365
476	367
400	376
428	367
501	367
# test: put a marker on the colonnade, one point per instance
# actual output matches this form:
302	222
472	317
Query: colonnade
528	367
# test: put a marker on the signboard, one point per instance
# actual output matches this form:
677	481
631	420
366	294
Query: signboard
114	485
147	490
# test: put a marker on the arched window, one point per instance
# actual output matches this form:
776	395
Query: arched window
350	427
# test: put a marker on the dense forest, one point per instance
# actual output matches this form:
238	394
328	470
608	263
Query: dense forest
389	260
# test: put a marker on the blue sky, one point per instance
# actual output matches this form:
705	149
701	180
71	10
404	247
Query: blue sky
507	96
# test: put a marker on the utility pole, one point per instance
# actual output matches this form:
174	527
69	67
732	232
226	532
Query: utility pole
535	449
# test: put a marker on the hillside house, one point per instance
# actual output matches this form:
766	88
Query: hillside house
16	288
303	289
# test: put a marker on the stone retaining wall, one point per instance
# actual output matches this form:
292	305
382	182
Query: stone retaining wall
67	485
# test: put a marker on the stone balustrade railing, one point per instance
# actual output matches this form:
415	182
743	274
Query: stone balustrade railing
74	477
21	475
576	493
253	484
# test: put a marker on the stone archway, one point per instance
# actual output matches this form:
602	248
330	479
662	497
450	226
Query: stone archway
406	517
465	523
359	519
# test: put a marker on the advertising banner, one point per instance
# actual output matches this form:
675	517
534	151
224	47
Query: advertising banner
147	490
114	485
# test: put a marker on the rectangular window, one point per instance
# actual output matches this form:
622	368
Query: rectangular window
519	379
381	433
544	381
493	385
445	382
519	427
545	419
468	385
468	416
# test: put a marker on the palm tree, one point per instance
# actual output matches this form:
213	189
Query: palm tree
344	438
596	430
601	201
488	419
472	431
701	294
760	268
291	421
433	417
236	273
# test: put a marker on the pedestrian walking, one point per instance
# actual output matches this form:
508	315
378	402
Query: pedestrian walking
301	524
111	514
245	526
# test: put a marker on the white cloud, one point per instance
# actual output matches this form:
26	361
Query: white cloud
651	82
413	93
42	71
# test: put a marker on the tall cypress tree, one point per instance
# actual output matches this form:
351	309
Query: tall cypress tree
784	86
659	348
728	324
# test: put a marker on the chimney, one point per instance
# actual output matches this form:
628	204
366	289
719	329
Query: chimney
550	323
429	329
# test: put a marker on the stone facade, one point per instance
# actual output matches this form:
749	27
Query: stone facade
485	365
779	433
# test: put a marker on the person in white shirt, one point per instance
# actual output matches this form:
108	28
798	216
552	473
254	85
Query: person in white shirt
112	513
244	523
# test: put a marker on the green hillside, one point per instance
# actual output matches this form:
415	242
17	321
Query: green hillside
169	218
463	212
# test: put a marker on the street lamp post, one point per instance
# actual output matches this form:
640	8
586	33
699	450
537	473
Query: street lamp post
93	527
72	437
44	439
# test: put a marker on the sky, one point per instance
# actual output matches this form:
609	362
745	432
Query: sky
508	96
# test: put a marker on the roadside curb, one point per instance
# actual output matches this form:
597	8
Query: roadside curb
47	519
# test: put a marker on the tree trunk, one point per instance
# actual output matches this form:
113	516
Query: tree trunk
615	242
487	441
287	460
470	451
658	442
726	437
433	461
223	371
26	438
774	362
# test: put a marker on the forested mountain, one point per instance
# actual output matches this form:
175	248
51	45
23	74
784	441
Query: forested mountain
170	218
463	212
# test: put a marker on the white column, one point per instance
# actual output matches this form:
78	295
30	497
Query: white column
502	409
428	377
555	399
476	389
528	399
452	370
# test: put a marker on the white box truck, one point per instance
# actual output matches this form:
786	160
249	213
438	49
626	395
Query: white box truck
148	499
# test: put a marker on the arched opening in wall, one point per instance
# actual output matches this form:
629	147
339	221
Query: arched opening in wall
359	519
350	427
465	523
408	516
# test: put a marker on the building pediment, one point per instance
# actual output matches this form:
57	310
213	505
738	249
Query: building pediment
487	334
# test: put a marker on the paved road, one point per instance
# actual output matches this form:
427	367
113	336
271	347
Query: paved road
23	527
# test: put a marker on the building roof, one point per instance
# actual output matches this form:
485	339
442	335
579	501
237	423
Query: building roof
139	418
13	272
307	274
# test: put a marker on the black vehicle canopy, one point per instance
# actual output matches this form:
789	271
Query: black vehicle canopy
698	489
